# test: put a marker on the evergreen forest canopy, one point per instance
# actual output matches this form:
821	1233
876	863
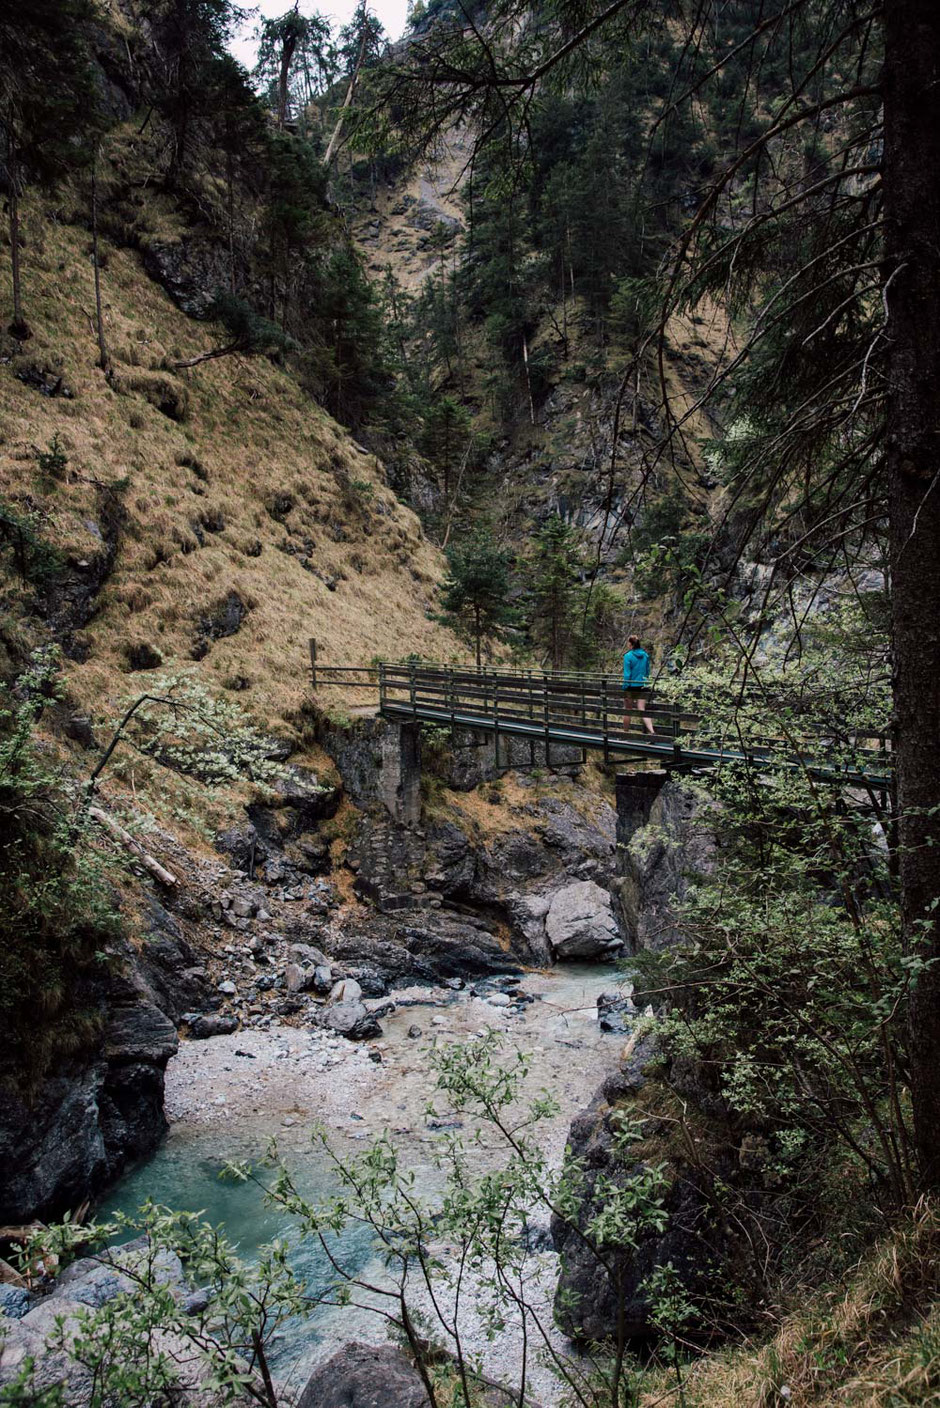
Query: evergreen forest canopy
775	163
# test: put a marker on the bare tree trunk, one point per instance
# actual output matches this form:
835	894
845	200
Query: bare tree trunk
350	93
104	361
528	379
911	177
287	57
19	327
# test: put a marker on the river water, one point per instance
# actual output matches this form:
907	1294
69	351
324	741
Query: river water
227	1097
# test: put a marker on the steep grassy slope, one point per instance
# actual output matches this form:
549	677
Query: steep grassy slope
227	516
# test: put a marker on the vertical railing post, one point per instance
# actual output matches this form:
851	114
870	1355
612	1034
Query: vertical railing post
449	702
313	661
496	721
604	729
382	685
411	687
548	742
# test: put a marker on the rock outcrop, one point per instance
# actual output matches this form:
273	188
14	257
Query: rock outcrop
665	839
365	1376
64	1142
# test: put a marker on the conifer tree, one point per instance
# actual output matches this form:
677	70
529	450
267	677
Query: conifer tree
476	590
554	579
50	116
295	59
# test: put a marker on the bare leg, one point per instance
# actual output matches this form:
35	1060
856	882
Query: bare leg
646	720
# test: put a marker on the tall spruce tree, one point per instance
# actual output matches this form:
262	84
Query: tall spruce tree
554	579
475	593
50	113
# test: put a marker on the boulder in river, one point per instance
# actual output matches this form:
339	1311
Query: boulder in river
365	1376
615	1012
352	1020
581	922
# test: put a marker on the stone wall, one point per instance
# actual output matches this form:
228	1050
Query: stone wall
677	843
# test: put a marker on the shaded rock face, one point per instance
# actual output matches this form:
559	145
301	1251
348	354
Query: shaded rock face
712	1253
87	1122
94	1115
518	876
365	1376
587	1301
656	869
419	949
191	270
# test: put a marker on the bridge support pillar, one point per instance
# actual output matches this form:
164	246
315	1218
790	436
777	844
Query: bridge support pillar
636	794
400	774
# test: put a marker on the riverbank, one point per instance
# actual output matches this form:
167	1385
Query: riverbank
228	1096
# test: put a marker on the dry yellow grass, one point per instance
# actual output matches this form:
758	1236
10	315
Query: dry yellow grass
213	500
873	1343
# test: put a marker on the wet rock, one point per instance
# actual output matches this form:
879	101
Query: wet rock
351	1020
615	1012
365	1376
14	1301
82	1126
581	922
414	1031
213	1024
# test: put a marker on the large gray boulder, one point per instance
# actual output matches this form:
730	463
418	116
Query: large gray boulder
581	922
352	1020
365	1376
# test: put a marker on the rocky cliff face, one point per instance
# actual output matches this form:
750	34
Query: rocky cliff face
62	1143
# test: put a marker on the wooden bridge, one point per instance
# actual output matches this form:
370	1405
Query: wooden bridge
586	712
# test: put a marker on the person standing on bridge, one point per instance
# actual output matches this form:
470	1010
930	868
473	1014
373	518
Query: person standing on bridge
636	673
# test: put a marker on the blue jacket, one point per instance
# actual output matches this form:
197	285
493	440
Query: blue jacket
636	668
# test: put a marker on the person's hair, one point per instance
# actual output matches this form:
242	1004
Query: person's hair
633	642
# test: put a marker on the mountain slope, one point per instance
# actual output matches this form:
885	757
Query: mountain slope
212	518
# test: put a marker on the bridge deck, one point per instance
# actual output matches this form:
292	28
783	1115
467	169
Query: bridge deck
587	712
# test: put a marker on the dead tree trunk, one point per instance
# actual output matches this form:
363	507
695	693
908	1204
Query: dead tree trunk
912	276
19	327
104	360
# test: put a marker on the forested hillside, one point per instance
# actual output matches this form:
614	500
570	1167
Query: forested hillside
545	333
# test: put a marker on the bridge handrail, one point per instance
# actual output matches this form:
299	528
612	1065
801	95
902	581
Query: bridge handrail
589	710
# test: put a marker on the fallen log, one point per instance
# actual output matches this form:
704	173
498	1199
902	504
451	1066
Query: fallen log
131	844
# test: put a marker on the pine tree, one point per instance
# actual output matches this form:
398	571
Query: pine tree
554	581
476	591
50	116
296	60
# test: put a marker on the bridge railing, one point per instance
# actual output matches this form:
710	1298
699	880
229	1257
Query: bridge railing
588	711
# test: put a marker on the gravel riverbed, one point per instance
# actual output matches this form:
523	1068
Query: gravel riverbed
231	1094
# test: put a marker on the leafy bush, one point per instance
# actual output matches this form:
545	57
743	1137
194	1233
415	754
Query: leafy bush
35	559
59	914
